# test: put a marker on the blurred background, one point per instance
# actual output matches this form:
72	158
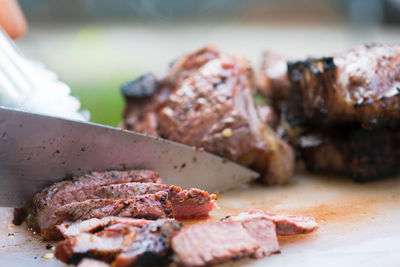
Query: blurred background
95	45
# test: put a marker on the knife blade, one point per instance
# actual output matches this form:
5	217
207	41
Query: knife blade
37	150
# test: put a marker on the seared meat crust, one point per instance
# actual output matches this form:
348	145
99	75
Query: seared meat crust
361	86
362	154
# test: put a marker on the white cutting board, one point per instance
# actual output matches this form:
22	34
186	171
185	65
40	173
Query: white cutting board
359	223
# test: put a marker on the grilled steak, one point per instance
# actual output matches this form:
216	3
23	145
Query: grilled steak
287	224
93	225
77	189
114	194
206	100
150	206
263	230
46	202
151	246
122	244
212	243
361	86
362	154
192	203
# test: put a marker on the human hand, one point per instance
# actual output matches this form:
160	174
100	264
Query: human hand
12	19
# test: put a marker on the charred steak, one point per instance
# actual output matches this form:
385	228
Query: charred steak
360	86
123	244
207	100
114	194
353	151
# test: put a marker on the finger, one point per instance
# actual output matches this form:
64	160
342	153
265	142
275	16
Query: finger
12	19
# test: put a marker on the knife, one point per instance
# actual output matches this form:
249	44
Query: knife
37	150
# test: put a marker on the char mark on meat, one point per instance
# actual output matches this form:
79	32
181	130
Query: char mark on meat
361	86
123	244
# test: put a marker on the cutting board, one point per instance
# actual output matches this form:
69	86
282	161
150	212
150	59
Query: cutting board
359	223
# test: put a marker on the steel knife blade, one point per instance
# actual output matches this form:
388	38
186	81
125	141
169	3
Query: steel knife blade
37	150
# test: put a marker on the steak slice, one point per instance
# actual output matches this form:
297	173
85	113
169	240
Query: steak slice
212	243
187	204
123	244
191	204
69	230
77	189
104	246
212	106
262	229
151	246
361	86
286	224
364	155
150	206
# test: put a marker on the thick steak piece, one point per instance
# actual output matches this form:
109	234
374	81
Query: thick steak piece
212	243
211	105
207	100
361	86
150	206
364	155
80	188
123	244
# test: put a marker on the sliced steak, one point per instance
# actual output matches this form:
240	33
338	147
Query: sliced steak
287	224
361	86
150	206
192	203
77	189
263	230
104	246
151	246
93	225
123	244
212	243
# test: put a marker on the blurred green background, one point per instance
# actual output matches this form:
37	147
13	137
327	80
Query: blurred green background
95	45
